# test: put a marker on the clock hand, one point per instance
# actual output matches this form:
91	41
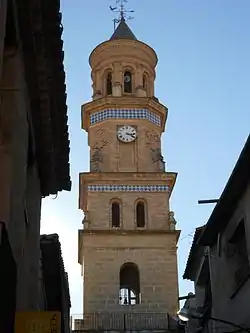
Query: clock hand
130	134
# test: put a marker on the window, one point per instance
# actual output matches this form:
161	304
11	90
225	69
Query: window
109	84
204	285
127	81
144	81
129	284
219	240
115	214
140	214
240	261
10	40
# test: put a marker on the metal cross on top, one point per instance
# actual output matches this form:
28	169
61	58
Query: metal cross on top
120	8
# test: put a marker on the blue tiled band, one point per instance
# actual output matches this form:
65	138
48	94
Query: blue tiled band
128	188
125	114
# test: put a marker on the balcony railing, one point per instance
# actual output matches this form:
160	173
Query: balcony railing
122	322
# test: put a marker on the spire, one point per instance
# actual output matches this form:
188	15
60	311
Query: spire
123	31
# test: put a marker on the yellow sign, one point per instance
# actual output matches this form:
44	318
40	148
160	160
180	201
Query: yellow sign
38	322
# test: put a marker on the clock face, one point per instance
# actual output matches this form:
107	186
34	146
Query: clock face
126	133
127	78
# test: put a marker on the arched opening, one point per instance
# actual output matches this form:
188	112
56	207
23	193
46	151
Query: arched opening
144	81
115	214
109	84
127	82
140	214
129	284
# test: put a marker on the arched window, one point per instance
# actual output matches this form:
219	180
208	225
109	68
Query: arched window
115	214
109	84
144	81
129	284
140	214
127	82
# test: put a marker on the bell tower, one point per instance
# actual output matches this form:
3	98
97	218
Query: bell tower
128	244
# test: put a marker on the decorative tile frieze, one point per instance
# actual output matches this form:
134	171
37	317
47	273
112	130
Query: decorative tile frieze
125	114
128	188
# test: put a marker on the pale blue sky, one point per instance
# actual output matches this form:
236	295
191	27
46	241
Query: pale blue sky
203	77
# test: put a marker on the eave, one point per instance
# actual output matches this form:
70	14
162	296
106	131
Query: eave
40	33
88	178
232	193
123	102
55	277
188	273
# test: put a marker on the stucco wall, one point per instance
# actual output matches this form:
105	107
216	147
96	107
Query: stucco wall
19	184
3	12
237	308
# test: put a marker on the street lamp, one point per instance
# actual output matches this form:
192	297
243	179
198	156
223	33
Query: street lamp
209	201
186	314
189	296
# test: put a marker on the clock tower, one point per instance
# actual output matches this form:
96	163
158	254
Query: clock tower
128	244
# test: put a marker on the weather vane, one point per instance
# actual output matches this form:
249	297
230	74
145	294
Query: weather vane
120	8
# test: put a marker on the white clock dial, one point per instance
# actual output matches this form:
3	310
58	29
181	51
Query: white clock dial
126	133
127	78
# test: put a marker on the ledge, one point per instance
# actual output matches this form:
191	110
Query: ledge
134	177
131	232
129	102
120	178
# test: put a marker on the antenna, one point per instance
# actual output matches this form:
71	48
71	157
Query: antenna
123	12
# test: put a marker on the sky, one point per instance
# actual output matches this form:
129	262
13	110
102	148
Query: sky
203	77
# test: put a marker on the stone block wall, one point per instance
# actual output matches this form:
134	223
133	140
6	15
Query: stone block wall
156	259
118	156
156	205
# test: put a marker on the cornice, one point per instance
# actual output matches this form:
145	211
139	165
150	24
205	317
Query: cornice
129	232
133	177
121	178
123	102
132	58
117	47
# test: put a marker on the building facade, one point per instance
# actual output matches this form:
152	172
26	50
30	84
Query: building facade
221	253
34	145
128	244
55	280
198	271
